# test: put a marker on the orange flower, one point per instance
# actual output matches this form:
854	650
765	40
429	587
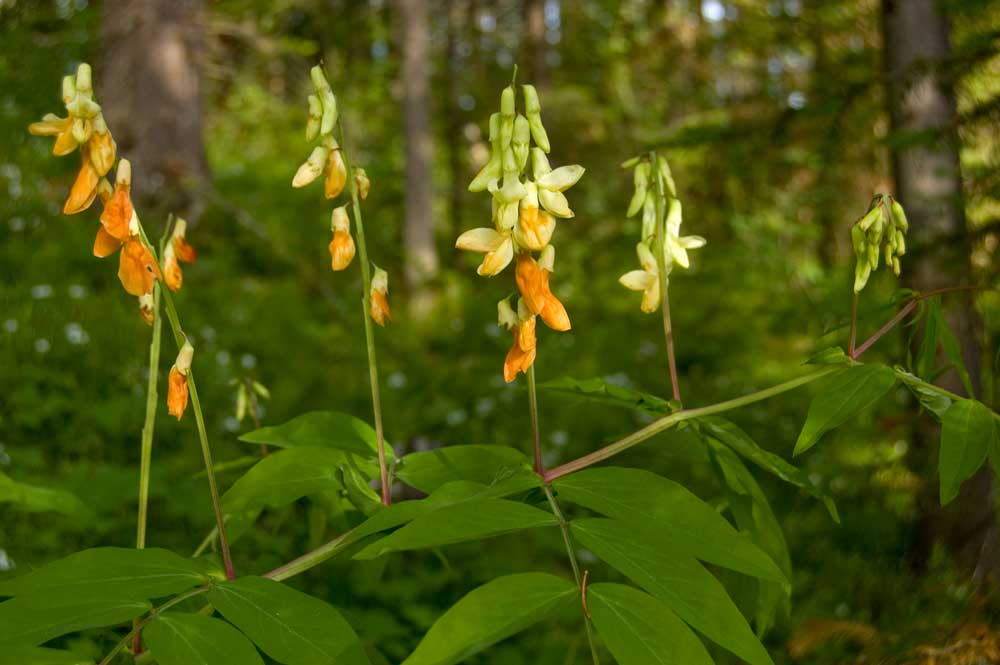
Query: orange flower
137	268
177	250
117	215
342	245
533	283
522	351
177	383
101	149
61	128
84	189
336	174
379	302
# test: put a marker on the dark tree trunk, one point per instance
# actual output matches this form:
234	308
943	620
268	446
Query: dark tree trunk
418	236
921	103
534	30
457	146
151	91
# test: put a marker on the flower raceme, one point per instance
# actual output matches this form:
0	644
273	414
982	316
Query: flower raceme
524	217
177	382
177	250
83	127
881	231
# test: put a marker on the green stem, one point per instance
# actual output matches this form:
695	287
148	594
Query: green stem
661	262
366	277
140	623
312	558
146	453
854	325
536	439
568	540
669	421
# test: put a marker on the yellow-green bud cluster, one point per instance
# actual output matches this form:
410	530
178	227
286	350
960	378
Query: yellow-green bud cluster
881	232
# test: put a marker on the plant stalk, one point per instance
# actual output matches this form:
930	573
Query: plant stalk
366	277
140	623
568	540
854	325
536	438
146	453
661	262
669	421
312	558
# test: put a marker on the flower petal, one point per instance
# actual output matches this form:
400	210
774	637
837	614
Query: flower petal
105	244
555	203
479	240
562	178
495	261
637	280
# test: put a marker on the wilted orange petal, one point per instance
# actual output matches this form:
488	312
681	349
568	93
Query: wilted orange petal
118	213
172	275
526	335
336	175
380	308
341	250
105	244
532	282
137	269
184	251
84	189
554	314
517	359
101	150
177	393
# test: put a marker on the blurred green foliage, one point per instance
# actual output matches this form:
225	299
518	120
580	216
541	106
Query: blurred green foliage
772	114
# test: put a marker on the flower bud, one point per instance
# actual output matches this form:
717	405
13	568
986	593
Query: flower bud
899	217
631	162
507	102
520	141
666	176
547	259
494	127
641	179
123	175
379	308
538	131
539	163
84	79
870	218
177	382
649	216
861	273
362	183
327	99
490	172
315	118
312	167
68	89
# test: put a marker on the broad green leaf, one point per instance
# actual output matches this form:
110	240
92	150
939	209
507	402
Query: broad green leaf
37	499
288	625
831	356
175	638
113	572
968	432
675	578
599	390
639	629
953	350
734	437
845	394
935	400
486	615
468	520
320	429
288	475
753	515
429	470
32	620
16	654
684	522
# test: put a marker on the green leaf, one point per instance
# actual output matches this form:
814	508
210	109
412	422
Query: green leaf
935	400
753	515
469	520
288	475
831	356
113	572
598	390
429	470
494	611
321	429
37	499
843	395
175	638
968	432
638	629
32	620
16	654
731	435
675	578
952	349
288	625
681	520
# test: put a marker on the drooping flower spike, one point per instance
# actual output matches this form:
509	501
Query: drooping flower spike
177	382
655	191
83	127
524	220
881	231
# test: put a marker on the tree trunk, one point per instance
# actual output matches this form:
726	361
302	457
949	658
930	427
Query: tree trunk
151	92
535	46
420	251
928	183
457	145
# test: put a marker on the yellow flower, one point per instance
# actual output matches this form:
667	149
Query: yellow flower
498	247
551	184
336	173
646	280
534	227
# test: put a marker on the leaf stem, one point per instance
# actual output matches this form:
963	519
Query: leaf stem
661	262
140	623
536	439
366	278
146	453
312	558
669	421
568	540
854	324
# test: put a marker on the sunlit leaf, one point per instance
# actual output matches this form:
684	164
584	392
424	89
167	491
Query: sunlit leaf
320	429
486	615
16	654
193	639
486	464
37	499
598	390
968	432
32	620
